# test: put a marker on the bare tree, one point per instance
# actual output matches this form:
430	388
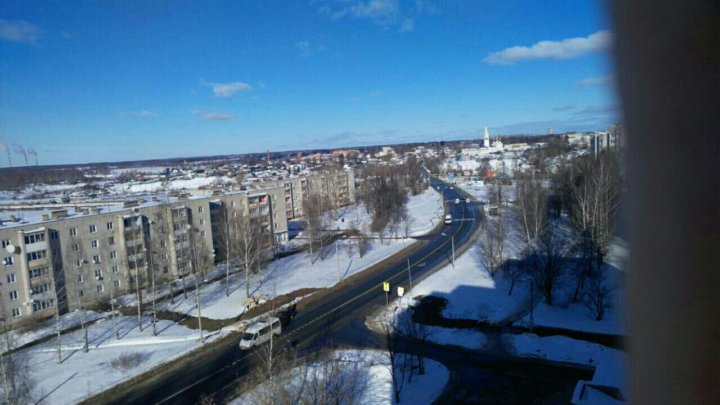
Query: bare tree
418	335
491	244
248	241
397	361
532	201
545	260
225	238
315	205
75	252
513	272
596	296
201	262
107	267
14	371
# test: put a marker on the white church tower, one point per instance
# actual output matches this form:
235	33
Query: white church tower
486	138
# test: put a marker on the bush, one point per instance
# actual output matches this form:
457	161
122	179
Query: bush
127	361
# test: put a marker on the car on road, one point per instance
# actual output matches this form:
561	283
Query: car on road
448	219
457	201
260	332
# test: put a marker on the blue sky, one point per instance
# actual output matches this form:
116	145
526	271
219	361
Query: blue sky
125	80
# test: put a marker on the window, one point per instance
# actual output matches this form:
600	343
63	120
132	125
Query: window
75	247
80	278
111	240
43	304
8	261
73	231
93	228
115	269
163	243
159	216
13	295
79	262
5	243
202	221
16	313
81	293
96	259
109	226
38	272
116	283
100	288
232	203
39	289
98	274
113	254
200	208
53	235
11	278
94	243
40	254
34	238
202	234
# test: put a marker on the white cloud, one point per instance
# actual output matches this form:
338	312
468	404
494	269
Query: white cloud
597	81
565	49
139	114
214	116
384	13
19	31
407	25
375	9
228	89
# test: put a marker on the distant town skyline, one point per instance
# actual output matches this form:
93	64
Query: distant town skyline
137	80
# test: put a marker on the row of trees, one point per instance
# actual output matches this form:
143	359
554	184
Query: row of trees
588	190
384	191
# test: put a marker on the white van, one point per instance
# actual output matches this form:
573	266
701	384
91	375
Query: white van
448	219
260	332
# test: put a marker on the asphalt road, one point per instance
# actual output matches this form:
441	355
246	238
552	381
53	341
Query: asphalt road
216	372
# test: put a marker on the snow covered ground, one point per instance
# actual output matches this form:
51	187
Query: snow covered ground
83	374
378	389
48	328
175	184
471	292
425	211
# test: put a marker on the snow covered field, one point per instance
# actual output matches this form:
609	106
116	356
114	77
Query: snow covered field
376	378
83	374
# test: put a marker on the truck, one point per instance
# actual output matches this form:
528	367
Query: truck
448	219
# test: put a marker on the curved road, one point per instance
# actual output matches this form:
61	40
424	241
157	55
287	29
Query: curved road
214	372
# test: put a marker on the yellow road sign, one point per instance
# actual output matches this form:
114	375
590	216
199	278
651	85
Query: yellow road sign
386	286
401	291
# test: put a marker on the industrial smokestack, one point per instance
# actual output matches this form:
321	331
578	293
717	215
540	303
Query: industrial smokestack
4	147
20	151
31	151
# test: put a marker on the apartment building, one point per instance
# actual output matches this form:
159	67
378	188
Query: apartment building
338	185
67	258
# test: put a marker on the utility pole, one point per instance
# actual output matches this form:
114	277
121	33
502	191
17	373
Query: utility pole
452	242
338	260
409	274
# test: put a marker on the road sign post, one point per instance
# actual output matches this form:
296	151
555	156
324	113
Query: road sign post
386	288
